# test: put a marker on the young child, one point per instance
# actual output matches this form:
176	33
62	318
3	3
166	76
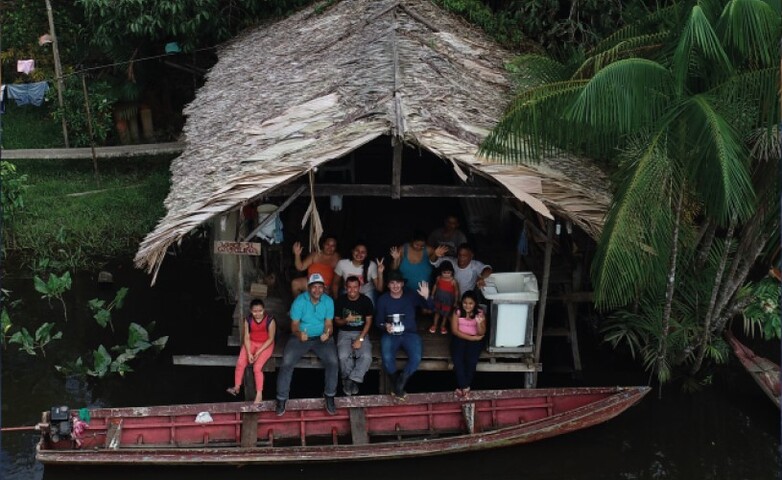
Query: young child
468	325
444	294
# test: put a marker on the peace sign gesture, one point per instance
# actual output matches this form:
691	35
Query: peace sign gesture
380	266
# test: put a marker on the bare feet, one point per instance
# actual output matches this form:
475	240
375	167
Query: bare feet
233	391
258	398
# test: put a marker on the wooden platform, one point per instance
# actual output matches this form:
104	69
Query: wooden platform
436	357
436	349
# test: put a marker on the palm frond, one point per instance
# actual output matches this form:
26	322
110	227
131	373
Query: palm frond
658	20
534	70
718	166
644	46
632	251
757	94
698	44
534	123
624	96
750	29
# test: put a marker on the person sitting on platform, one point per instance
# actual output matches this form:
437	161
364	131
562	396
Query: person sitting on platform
468	325
469	273
321	262
257	347
311	330
353	315
448	235
395	317
360	266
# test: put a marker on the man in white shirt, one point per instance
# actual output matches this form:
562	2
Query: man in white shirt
469	273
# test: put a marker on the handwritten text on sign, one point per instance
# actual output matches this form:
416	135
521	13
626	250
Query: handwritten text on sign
237	248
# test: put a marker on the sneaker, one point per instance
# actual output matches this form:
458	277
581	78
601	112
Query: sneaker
432	329
280	410
330	406
443	331
354	387
347	386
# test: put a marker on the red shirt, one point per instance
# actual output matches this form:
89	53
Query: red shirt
259	332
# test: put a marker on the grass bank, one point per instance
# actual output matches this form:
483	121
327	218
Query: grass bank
30	127
69	220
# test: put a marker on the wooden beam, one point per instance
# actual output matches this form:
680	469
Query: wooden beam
396	171
426	365
544	287
282	207
249	434
406	191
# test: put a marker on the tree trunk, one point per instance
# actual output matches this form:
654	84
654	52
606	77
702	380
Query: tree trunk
710	311
670	287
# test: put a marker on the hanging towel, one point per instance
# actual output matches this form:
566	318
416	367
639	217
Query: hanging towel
25	66
523	246
25	93
2	99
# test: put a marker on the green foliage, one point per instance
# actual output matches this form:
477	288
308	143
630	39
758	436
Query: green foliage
104	364
108	222
119	28
30	127
763	313
673	101
74	110
544	23
102	311
43	336
55	287
13	186
6	324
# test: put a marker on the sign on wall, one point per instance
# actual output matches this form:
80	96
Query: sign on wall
237	248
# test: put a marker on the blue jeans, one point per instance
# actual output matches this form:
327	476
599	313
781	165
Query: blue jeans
410	342
294	350
465	355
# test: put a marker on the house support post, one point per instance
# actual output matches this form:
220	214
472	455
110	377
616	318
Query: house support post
543	295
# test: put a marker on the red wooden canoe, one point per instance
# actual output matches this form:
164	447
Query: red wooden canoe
765	372
364	428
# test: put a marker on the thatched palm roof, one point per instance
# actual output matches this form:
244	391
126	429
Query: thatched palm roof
311	88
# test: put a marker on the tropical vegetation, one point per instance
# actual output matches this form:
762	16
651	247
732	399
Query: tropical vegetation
684	104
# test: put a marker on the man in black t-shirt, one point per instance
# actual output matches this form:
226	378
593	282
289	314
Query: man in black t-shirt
353	315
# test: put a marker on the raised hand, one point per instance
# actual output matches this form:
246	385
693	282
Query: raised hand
297	249
423	289
441	251
380	266
396	253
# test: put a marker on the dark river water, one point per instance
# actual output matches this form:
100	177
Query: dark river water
730	430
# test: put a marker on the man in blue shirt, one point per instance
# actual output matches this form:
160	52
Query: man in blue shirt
395	317
311	330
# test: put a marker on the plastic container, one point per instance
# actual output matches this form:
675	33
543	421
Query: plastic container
513	296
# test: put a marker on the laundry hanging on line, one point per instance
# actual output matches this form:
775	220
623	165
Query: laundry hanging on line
25	66
24	93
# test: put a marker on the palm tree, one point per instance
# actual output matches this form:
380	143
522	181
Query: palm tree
674	100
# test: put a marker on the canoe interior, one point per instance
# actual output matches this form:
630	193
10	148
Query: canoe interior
359	420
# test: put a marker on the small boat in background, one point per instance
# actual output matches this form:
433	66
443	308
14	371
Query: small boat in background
764	371
364	428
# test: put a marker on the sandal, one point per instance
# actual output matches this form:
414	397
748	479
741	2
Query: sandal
432	329
443	331
233	391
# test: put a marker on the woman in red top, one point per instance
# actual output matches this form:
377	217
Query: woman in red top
257	347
